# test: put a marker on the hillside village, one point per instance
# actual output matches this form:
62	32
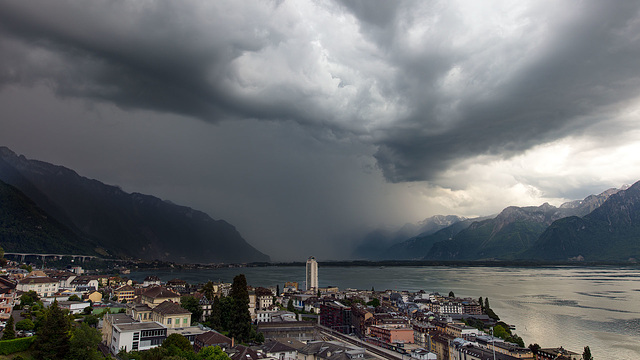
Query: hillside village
292	322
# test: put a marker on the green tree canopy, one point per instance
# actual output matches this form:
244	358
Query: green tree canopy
586	354
74	297
192	304
208	290
178	341
374	302
9	332
212	353
25	324
84	343
451	294
241	325
53	335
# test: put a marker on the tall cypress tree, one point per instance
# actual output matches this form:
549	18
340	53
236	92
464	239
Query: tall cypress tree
241	327
9	331
53	338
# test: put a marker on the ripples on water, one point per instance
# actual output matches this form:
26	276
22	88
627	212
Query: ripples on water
553	306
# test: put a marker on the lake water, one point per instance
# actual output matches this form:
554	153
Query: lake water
574	307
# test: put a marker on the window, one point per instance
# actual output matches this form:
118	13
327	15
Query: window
169	321
184	321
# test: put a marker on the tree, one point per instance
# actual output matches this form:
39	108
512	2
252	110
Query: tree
9	332
278	290
481	303
534	348
241	325
192	304
486	303
290	305
586	354
88	310
451	294
84	343
53	336
208	290
178	341
212	353
215	319
25	324
91	320
374	302
74	297
29	298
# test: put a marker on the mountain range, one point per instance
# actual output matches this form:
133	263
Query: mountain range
600	227
90	217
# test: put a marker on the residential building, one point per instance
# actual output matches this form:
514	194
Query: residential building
210	338
124	294
392	334
43	285
107	325
8	297
316	350
336	316
361	319
422	354
557	353
137	336
171	314
151	280
279	350
139	312
189	332
74	307
156	295
312	274
94	296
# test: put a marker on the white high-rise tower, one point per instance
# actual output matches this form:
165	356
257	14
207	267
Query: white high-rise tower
312	274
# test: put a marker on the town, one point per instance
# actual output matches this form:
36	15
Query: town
154	319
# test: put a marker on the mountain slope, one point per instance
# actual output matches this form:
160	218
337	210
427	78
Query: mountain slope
512	231
376	244
24	227
416	247
129	225
609	232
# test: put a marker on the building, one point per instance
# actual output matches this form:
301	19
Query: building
151	280
74	307
298	330
557	353
392	334
279	350
124	294
156	295
44	286
312	274
137	336
171	315
422	354
210	338
336	316
107	325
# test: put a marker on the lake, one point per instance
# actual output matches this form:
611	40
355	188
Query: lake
574	307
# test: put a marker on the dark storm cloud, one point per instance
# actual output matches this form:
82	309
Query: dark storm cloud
427	84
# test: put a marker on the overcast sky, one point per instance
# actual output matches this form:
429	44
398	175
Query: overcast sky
306	123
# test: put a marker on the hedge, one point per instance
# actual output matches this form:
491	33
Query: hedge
16	345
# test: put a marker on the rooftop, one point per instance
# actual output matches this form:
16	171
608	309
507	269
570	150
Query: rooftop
153	325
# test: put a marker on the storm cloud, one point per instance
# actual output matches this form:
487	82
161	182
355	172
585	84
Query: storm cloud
431	92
